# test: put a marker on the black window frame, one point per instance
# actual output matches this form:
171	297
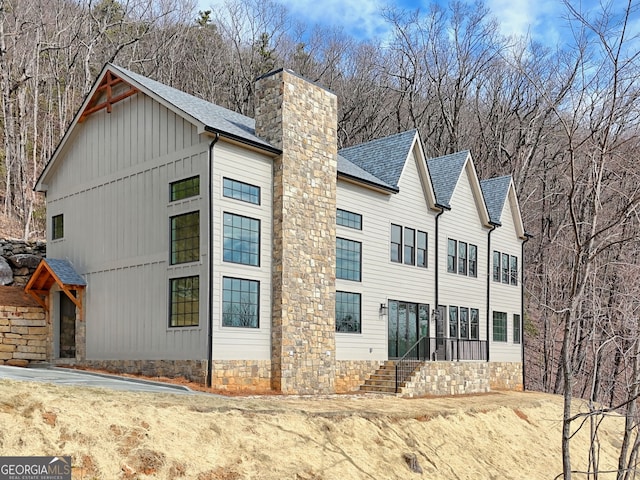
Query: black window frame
463	256
513	270
396	246
181	190
517	328
352	326
463	322
184	255
57	227
226	315
505	268
174	305
409	246
228	254
339	268
499	327
473	260
422	250
348	219
454	327
232	188
452	255
496	266
474	324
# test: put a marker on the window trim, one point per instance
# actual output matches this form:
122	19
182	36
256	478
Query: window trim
517	329
453	309
359	279
497	269
240	182
257	305
505	268
475	323
462	260
359	331
259	244
452	260
473	272
172	303
400	244
501	317
513	270
425	250
57	228
357	215
409	236
176	182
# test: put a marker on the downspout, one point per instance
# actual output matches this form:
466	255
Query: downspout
527	238
209	379
489	274
437	305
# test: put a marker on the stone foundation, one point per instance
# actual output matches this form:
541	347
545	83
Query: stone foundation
449	378
23	329
192	370
242	375
506	376
351	374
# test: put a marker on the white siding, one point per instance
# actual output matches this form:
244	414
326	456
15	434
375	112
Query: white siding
506	297
462	223
382	279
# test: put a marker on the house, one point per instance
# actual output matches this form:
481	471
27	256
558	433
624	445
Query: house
251	254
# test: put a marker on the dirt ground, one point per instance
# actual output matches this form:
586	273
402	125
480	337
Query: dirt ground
116	435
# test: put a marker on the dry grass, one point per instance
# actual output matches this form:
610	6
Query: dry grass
126	435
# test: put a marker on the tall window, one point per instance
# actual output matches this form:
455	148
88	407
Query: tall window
421	250
464	322
499	327
185	238
474	330
240	302
189	187
348	259
349	219
451	255
473	260
514	270
57	227
409	246
505	268
496	266
453	322
462	258
240	191
517	328
184	310
348	312
241	239
396	243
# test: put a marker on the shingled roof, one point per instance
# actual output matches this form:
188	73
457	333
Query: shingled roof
383	158
445	172
494	191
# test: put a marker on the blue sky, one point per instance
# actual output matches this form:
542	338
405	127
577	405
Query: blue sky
540	19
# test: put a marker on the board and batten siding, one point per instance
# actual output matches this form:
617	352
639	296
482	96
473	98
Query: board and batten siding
120	164
463	223
383	280
506	298
236	163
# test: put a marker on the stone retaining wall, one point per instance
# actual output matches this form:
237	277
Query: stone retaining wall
23	329
506	376
351	374
19	259
449	378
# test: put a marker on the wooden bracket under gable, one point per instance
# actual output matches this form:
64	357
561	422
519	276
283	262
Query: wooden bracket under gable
41	282
103	96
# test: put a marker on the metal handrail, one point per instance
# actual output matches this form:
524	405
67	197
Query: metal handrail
400	371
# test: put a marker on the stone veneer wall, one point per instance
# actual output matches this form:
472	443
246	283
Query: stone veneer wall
300	118
242	375
351	374
23	328
506	376
449	378
192	370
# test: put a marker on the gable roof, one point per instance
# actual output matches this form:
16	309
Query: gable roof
383	158
52	271
445	172
495	192
350	170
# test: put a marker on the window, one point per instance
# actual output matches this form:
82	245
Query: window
348	259
240	191
184	310
409	246
348	312
421	250
453	322
462	258
396	243
474	329
57	227
505	268
464	322
185	238
473	260
349	219
241	239
516	328
240	302
496	266
451	256
499	327
189	187
514	270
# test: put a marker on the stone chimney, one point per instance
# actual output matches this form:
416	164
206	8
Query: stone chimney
300	118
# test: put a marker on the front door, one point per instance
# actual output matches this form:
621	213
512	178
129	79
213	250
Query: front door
407	323
67	316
